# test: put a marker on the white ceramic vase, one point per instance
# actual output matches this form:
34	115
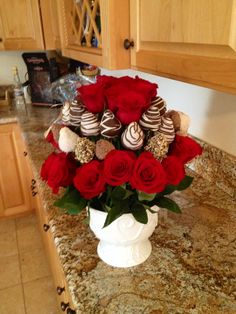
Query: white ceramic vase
123	243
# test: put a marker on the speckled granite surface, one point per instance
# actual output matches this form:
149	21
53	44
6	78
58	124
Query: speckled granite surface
192	268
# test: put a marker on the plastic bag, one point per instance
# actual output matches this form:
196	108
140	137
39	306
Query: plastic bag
65	88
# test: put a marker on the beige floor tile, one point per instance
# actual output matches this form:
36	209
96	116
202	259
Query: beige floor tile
9	271
34	265
11	300
28	234
25	221
7	226
8	244
40	297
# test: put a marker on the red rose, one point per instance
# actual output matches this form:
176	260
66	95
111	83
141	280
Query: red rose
92	96
148	174
128	98
125	96
89	179
131	106
46	166
174	170
58	170
184	148
106	80
118	167
148	88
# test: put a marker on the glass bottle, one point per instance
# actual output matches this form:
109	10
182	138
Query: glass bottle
18	91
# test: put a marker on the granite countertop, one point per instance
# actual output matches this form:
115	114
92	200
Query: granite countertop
192	268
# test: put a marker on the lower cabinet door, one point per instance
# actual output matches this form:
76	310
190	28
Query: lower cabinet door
15	198
61	289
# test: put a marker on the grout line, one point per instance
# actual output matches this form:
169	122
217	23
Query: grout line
30	281
16	254
8	287
21	282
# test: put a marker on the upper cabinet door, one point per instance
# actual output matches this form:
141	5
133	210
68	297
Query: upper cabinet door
80	24
50	24
93	31
188	40
1	35
21	23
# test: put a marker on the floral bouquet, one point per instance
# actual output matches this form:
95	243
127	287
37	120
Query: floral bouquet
119	150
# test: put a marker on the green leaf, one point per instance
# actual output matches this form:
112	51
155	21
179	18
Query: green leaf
72	202
139	212
169	189
142	196
112	215
147	207
108	192
185	183
118	193
165	202
96	203
128	193
107	208
123	205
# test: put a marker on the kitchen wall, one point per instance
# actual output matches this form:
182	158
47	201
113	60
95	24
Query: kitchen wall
212	113
7	61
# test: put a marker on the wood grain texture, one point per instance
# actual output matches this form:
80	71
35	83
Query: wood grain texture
50	23
21	24
14	176
1	35
114	29
52	254
189	40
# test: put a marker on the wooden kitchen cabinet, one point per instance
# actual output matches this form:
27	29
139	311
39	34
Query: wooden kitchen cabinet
15	178
188	40
1	35
61	288
50	23
93	31
29	24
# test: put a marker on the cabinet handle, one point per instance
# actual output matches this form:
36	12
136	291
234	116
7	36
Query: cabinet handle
25	153
60	290
64	306
128	43
34	193
46	227
0	40
33	185
70	311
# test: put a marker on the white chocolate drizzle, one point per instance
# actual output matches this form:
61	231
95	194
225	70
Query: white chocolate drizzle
76	111
132	137
167	129
160	104
151	119
66	112
90	126
110	126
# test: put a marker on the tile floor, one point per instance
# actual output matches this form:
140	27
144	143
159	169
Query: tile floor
26	285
